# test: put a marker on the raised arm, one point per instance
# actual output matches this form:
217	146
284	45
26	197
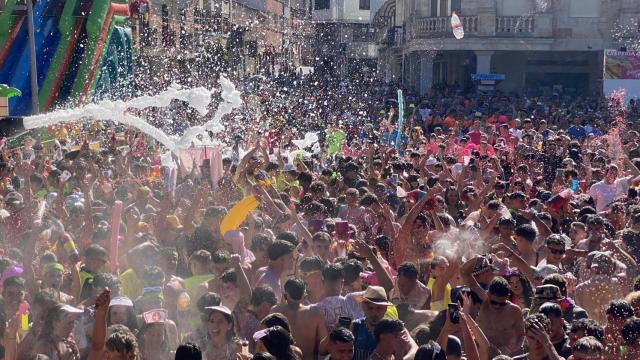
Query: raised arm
466	271
530	272
243	281
100	326
383	277
480	339
470	348
243	164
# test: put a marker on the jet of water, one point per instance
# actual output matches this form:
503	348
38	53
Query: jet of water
118	111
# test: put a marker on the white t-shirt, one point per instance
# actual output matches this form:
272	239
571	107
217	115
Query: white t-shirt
335	306
604	194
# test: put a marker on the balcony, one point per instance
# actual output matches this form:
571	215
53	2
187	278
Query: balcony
484	26
432	27
516	25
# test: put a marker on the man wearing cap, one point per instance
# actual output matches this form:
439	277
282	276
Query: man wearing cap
374	305
52	277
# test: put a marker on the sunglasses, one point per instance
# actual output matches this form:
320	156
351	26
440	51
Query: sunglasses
557	251
497	303
309	273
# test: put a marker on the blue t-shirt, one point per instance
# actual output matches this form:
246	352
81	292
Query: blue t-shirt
577	132
365	342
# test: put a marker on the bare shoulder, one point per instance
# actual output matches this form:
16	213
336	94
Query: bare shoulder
315	311
514	310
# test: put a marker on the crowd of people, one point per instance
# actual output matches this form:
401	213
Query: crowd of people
477	227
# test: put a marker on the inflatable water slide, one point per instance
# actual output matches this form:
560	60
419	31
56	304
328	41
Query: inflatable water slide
83	49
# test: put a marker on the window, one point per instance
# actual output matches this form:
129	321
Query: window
445	7
584	8
365	5
514	7
322	4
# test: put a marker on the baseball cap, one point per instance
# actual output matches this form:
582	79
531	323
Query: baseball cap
13	196
122	301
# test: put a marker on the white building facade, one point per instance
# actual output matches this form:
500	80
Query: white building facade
538	45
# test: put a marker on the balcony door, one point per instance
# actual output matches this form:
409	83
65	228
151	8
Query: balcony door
445	7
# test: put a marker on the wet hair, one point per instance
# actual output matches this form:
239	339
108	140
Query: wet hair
206	300
311	263
13	281
526	232
588	345
387	326
321	236
260	242
341	335
589	326
499	287
278	249
278	342
620	309
188	351
262	294
351	269
54	316
201	257
551	310
288	236
294	288
95	251
153	276
305	177
505	221
631	331
123	343
493	205
333	273
46	298
555	239
430	351
538	317
220	257
318	187
107	280
48	257
229	277
408	270
368	200
276	319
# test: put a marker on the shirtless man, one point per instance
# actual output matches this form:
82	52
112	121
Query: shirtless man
307	324
499	319
595	294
